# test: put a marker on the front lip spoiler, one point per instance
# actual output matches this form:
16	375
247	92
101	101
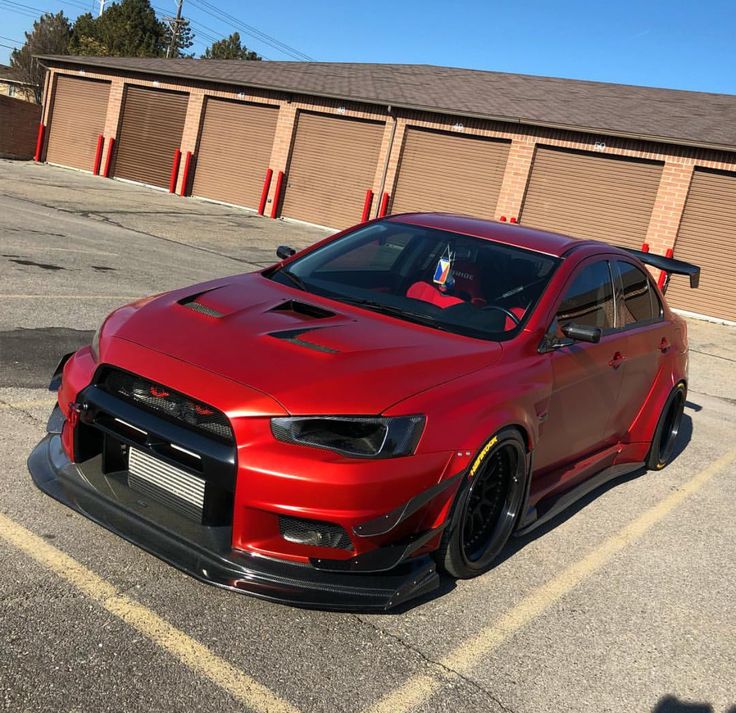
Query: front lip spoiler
275	580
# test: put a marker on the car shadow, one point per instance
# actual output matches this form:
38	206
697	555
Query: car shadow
515	544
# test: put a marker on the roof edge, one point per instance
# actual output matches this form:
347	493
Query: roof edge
671	140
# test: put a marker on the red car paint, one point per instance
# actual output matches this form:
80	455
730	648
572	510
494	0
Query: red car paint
579	409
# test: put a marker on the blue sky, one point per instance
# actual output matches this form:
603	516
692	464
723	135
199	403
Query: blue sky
684	44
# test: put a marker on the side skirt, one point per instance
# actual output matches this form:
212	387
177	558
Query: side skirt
555	504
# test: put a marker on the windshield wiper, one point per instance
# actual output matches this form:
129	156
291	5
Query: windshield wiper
393	311
294	278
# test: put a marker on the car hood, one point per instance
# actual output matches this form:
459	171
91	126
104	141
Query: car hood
311	354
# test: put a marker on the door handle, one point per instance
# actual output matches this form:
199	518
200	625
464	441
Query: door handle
617	360
664	345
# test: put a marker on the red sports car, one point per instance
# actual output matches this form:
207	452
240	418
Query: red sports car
397	399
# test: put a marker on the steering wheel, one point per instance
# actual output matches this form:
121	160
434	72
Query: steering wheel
507	312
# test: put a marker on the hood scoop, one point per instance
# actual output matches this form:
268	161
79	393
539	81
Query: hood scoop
302	310
192	302
294	336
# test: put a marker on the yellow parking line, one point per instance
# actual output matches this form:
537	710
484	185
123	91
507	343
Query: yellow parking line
464	657
190	652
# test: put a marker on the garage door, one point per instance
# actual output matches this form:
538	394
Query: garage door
591	196
150	131
707	237
234	151
447	172
333	163
77	120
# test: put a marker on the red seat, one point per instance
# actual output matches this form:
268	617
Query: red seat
429	293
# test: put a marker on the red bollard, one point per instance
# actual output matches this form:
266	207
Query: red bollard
384	205
39	141
108	160
185	177
277	195
367	205
174	171
98	155
264	192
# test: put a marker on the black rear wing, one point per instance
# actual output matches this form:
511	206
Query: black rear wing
668	265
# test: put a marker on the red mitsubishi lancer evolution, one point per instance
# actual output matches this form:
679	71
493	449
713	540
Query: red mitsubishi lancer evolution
396	400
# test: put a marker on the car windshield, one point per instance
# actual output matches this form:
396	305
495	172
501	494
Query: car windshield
445	280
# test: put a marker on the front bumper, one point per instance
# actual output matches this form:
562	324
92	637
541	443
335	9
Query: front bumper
205	552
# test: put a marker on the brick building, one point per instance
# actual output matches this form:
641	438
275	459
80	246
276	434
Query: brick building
11	86
331	143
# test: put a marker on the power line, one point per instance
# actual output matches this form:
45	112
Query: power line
251	31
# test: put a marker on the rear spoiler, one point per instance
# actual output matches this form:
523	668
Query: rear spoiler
668	265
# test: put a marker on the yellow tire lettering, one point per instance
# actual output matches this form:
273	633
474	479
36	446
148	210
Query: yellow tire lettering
482	455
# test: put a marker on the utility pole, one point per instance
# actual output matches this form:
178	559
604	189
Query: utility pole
102	8
174	23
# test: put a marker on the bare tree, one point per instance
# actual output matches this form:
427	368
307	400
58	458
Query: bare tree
50	35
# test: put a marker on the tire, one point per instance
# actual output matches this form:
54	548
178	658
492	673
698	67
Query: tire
668	428
486	507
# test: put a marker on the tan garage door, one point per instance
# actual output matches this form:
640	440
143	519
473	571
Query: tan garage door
448	172
333	163
150	131
77	120
707	237
591	196
234	151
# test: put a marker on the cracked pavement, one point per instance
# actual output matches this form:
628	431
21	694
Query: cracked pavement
652	630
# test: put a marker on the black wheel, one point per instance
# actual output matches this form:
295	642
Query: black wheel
668	428
486	507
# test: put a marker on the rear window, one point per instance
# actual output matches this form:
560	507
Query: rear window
640	301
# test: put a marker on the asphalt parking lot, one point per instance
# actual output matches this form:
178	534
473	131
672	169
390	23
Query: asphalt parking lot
624	603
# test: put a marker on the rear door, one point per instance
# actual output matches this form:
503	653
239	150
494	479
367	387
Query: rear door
586	377
647	348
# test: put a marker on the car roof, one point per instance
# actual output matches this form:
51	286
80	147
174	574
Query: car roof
512	234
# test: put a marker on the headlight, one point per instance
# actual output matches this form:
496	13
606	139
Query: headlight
357	436
95	346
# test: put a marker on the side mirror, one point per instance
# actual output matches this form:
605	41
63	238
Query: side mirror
582	333
284	251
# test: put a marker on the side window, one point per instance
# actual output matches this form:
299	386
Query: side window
589	300
640	301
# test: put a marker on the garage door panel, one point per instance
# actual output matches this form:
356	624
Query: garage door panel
450	173
707	237
593	196
234	151
333	163
151	128
77	120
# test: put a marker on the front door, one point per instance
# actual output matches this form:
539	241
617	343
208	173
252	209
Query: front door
587	378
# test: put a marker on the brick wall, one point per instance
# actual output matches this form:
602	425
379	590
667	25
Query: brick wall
18	128
679	161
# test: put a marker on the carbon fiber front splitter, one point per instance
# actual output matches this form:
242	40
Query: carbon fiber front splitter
210	559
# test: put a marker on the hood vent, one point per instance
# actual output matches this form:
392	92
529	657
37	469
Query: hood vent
303	309
293	336
192	303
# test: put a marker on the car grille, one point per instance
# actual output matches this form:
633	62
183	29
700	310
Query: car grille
166	402
168	485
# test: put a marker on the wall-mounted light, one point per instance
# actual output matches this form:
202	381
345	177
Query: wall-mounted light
341	110
156	83
600	146
458	127
241	95
82	72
